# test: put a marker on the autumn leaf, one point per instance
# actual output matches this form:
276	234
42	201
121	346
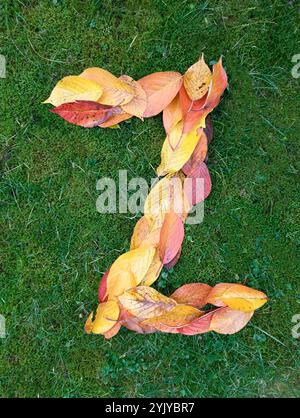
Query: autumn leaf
191	110
115	120
194	294
172	114
145	302
174	260
153	271
167	195
129	270
197	186
237	297
199	325
133	323
197	79
208	130
198	155
85	113
138	104
115	91
146	233
72	88
172	160
113	331
106	317
171	237
173	320
228	321
160	88
102	291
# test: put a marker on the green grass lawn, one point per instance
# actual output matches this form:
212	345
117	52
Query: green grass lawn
55	245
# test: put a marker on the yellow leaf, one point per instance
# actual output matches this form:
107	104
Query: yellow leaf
129	270
167	195
171	321
197	79
137	105
73	88
173	159
237	297
145	302
115	91
153	271
106	317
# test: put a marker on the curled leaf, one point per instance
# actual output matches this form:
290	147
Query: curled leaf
198	155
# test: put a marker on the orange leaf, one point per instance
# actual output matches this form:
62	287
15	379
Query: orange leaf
197	79
138	104
228	321
161	88
196	111
194	294
237	297
115	119
171	237
85	113
172	114
115	91
113	331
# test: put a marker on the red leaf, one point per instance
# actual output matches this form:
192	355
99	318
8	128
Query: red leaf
197	185
102	296
85	113
171	237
